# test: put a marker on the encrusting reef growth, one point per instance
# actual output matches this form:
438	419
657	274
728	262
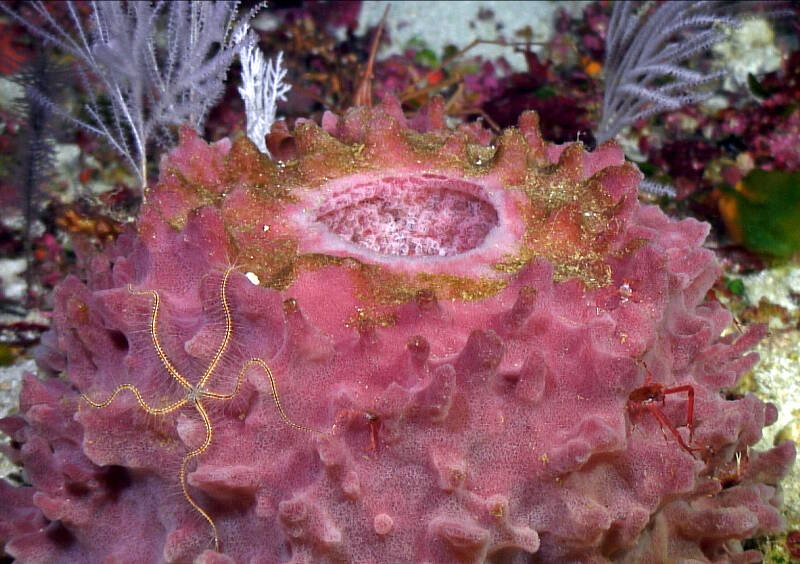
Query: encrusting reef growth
399	342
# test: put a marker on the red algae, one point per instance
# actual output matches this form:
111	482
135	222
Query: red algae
446	333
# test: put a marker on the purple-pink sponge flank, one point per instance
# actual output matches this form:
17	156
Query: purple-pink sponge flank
454	329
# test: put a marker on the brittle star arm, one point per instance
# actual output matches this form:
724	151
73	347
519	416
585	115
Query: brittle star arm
154	336
189	456
228	330
219	396
144	405
263	365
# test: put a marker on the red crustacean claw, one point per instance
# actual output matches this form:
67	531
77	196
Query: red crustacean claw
651	394
359	417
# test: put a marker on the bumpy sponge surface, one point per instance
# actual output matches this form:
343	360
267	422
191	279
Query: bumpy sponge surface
455	330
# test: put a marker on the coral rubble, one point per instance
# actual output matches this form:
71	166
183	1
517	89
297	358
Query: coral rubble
455	331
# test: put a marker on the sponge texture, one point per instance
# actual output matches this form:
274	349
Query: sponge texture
454	329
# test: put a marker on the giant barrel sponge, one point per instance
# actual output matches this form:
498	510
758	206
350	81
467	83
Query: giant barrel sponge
397	343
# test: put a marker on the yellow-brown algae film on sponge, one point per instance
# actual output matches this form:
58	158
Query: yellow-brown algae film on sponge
568	220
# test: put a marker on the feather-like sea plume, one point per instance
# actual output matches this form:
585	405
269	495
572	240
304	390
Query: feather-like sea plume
647	48
145	67
33	163
262	87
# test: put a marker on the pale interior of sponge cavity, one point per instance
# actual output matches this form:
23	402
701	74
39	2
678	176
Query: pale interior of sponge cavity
403	219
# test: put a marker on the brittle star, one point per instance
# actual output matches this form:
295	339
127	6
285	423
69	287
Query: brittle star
195	394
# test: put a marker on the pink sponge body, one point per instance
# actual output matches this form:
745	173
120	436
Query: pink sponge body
454	330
